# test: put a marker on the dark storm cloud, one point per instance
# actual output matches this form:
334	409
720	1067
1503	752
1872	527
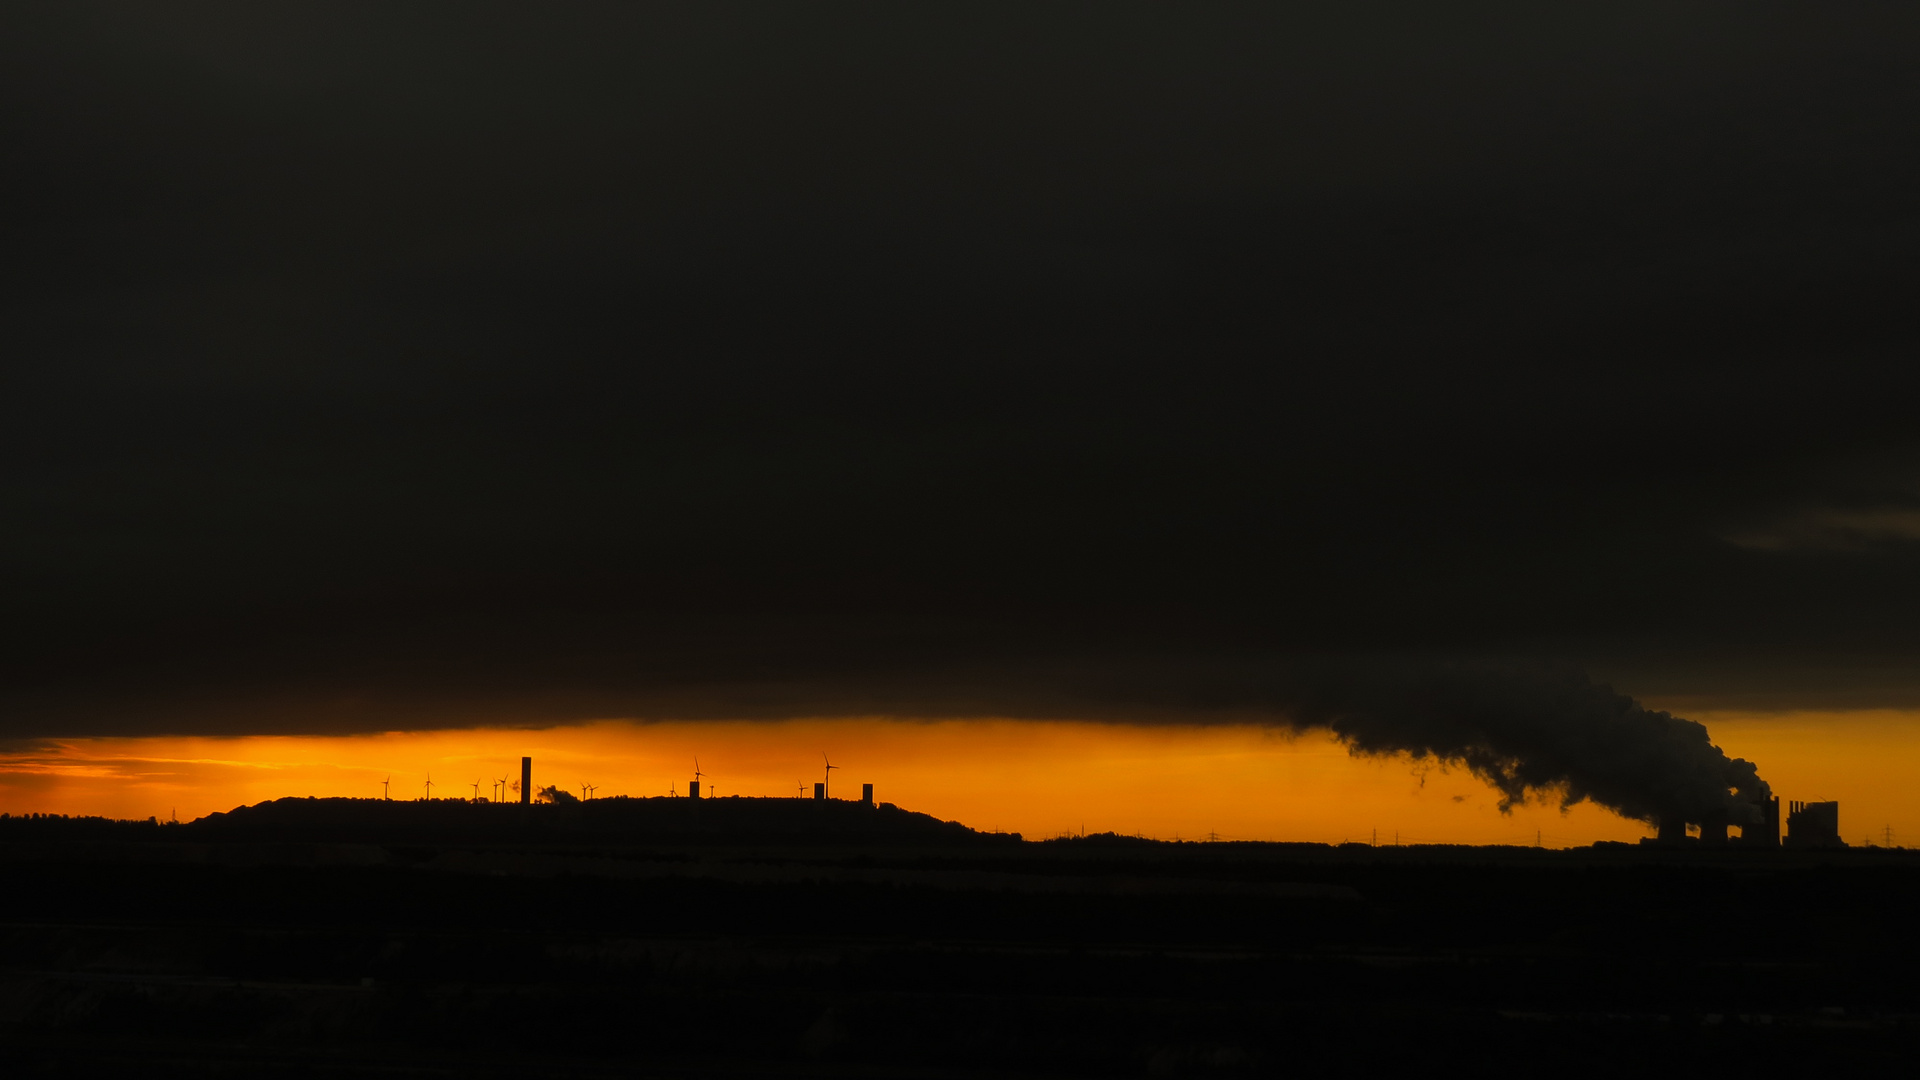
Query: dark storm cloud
376	366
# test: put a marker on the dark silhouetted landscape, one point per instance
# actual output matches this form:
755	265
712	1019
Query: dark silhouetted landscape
739	937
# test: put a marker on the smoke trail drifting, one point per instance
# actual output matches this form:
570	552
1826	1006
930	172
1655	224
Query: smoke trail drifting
1552	734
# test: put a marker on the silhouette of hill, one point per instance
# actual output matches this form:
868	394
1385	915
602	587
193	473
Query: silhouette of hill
615	820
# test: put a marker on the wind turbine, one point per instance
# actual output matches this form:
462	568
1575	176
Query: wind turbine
383	788
803	790
503	789
429	787
697	774
476	791
828	790
591	788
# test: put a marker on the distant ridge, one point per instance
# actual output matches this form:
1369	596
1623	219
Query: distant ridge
619	819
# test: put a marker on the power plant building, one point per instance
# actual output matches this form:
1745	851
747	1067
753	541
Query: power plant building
1814	825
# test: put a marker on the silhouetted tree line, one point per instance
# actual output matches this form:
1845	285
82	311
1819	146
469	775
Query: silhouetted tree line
27	826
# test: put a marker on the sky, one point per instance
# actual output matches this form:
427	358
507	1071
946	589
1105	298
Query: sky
1098	368
1040	779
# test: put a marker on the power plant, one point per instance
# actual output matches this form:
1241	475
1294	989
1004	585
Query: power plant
1814	825
1809	825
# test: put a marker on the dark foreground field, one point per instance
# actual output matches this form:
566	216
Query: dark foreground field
177	954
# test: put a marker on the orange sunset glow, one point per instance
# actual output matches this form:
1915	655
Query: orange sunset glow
1039	779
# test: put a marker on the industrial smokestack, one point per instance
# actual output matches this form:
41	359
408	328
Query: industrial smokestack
1766	831
526	781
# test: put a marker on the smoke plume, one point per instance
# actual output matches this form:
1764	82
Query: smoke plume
555	794
1545	734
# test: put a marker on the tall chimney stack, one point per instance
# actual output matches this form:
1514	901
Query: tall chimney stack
526	780
1765	832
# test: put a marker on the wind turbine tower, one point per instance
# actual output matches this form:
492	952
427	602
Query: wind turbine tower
828	789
